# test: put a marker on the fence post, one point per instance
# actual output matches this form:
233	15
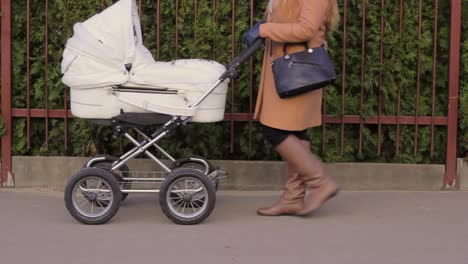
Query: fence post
451	180
6	175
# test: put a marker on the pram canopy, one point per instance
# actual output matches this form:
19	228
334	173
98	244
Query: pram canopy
107	50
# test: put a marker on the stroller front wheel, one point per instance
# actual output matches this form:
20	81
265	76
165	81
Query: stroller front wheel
92	196
187	196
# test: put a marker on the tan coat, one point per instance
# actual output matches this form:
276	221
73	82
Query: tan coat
299	21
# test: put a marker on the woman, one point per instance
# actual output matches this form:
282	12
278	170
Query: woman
285	120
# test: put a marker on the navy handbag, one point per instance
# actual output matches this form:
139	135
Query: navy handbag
304	71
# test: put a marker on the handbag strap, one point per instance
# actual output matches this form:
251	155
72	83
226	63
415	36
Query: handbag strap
285	47
324	45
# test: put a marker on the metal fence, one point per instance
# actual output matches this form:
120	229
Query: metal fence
450	121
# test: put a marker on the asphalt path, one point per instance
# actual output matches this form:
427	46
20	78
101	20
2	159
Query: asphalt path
355	227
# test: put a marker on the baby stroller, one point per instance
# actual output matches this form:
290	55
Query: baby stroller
114	81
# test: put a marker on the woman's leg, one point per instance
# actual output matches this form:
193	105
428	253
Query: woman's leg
311	171
292	199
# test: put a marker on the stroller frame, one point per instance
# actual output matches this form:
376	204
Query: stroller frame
121	129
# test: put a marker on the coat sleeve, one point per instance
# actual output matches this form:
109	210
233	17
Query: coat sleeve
312	15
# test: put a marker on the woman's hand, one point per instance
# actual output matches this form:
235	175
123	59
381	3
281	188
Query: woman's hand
253	34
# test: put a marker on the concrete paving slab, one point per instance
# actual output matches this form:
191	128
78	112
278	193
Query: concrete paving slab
355	227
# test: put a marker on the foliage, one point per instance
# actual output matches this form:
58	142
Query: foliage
209	35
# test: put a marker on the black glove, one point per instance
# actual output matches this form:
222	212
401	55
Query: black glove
252	34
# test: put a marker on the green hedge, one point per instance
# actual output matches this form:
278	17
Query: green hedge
203	38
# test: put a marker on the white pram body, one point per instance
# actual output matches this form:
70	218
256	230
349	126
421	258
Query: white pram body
110	72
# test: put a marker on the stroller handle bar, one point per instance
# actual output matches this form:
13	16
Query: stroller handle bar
246	54
231	72
243	56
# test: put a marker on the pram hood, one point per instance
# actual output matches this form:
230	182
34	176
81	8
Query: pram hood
104	46
106	43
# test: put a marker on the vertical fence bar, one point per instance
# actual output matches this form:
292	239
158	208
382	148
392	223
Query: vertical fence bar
363	73
65	120
397	151
434	72
418	80
158	30
140	10
177	30
195	7
213	50
28	74
450	177
65	96
251	82
343	84
382	22
233	83
324	121
46	78
6	90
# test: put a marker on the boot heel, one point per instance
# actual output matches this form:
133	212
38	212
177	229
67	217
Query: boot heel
318	204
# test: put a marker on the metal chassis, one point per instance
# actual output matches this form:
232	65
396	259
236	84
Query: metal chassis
143	146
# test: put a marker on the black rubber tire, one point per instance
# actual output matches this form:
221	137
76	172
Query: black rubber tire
106	165
99	173
186	163
191	173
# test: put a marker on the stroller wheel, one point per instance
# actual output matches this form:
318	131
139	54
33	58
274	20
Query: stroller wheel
92	196
106	164
187	196
193	162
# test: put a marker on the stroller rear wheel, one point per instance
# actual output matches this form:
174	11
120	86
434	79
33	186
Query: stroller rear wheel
198	163
187	196
92	196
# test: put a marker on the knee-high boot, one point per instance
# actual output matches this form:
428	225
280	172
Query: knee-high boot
292	199
311	171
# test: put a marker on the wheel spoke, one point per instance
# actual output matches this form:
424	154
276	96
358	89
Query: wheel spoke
178	201
84	202
199	199
98	184
80	199
193	207
179	206
100	204
104	196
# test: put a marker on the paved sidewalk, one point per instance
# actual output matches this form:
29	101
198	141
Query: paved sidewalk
356	227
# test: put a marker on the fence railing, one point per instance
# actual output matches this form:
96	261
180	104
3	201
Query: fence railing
398	120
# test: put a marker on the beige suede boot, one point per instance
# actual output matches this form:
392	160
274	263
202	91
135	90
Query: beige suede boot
311	171
292	200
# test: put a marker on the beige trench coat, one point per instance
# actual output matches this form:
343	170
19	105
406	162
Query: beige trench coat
299	21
